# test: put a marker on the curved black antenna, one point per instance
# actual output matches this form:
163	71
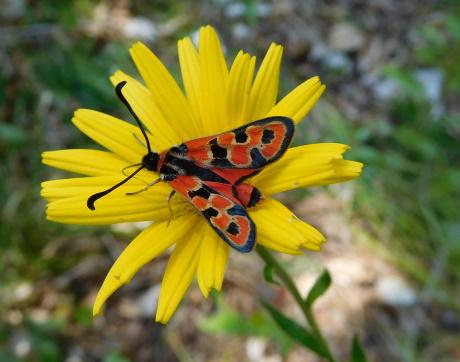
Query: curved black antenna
130	166
93	198
120	95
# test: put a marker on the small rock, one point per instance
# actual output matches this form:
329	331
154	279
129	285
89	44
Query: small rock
241	31
346	37
386	89
432	81
39	315
284	7
12	9
373	56
235	10
264	10
22	292
395	292
146	303
256	351
21	344
14	317
331	59
139	28
75	354
337	61
128	309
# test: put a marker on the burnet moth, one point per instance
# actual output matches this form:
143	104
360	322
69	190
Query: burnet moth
210	172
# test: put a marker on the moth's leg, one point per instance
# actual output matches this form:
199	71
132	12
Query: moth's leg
247	194
171	213
146	187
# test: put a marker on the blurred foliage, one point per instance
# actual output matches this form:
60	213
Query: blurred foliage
231	322
409	192
413	176
441	46
309	337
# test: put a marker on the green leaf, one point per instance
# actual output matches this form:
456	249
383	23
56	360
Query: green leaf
12	135
230	322
294	330
319	288
225	321
357	352
268	274
115	356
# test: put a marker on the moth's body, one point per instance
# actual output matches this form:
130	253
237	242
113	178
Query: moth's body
211	171
174	163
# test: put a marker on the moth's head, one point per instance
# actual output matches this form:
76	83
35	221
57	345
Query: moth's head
150	161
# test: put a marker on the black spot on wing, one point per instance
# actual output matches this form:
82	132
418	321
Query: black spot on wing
267	136
210	212
241	137
218	152
200	192
237	211
233	229
254	198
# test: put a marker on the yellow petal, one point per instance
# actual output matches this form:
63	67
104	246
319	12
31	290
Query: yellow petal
309	104
179	272
279	229
213	260
150	205
143	104
301	166
115	135
239	86
299	101
85	162
70	187
213	82
145	247
190	70
265	88
165	91
344	170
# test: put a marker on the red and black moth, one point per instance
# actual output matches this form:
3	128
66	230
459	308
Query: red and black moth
211	171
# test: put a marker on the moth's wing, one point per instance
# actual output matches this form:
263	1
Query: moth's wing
222	210
251	146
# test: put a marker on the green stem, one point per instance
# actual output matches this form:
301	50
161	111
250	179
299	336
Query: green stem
290	285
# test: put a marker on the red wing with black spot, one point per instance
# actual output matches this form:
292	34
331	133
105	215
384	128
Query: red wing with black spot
251	146
222	210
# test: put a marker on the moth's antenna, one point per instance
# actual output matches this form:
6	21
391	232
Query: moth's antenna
93	198
120	95
130	166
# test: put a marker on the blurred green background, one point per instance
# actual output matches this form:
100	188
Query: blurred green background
393	75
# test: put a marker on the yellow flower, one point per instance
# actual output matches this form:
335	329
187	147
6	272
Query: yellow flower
216	99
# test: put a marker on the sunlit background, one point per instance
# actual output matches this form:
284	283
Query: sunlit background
392	69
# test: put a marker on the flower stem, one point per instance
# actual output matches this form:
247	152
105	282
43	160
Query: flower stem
290	285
